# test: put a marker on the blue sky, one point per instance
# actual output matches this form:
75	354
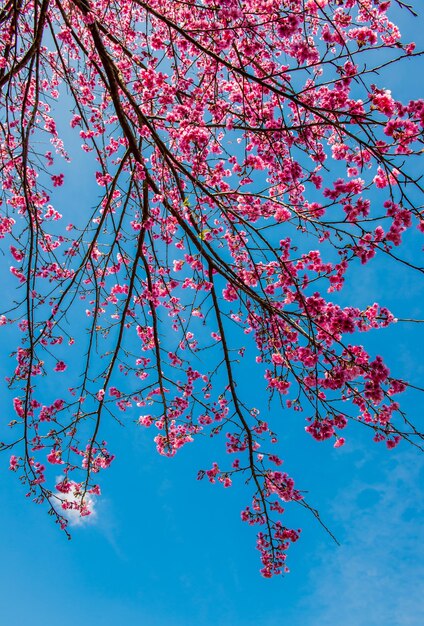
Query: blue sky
165	550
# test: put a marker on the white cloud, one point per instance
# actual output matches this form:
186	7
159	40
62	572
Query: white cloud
74	516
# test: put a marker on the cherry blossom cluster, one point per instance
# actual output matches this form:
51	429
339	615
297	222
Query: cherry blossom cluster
241	164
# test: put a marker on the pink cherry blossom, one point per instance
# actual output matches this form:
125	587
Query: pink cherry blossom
243	167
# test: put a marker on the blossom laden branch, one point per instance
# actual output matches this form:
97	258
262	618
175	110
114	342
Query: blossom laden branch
241	165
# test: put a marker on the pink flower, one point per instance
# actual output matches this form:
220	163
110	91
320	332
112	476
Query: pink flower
17	254
58	180
54	457
339	442
277	359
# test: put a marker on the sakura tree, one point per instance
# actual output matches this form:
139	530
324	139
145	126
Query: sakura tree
242	160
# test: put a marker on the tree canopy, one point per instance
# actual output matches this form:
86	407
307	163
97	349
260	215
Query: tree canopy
241	160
